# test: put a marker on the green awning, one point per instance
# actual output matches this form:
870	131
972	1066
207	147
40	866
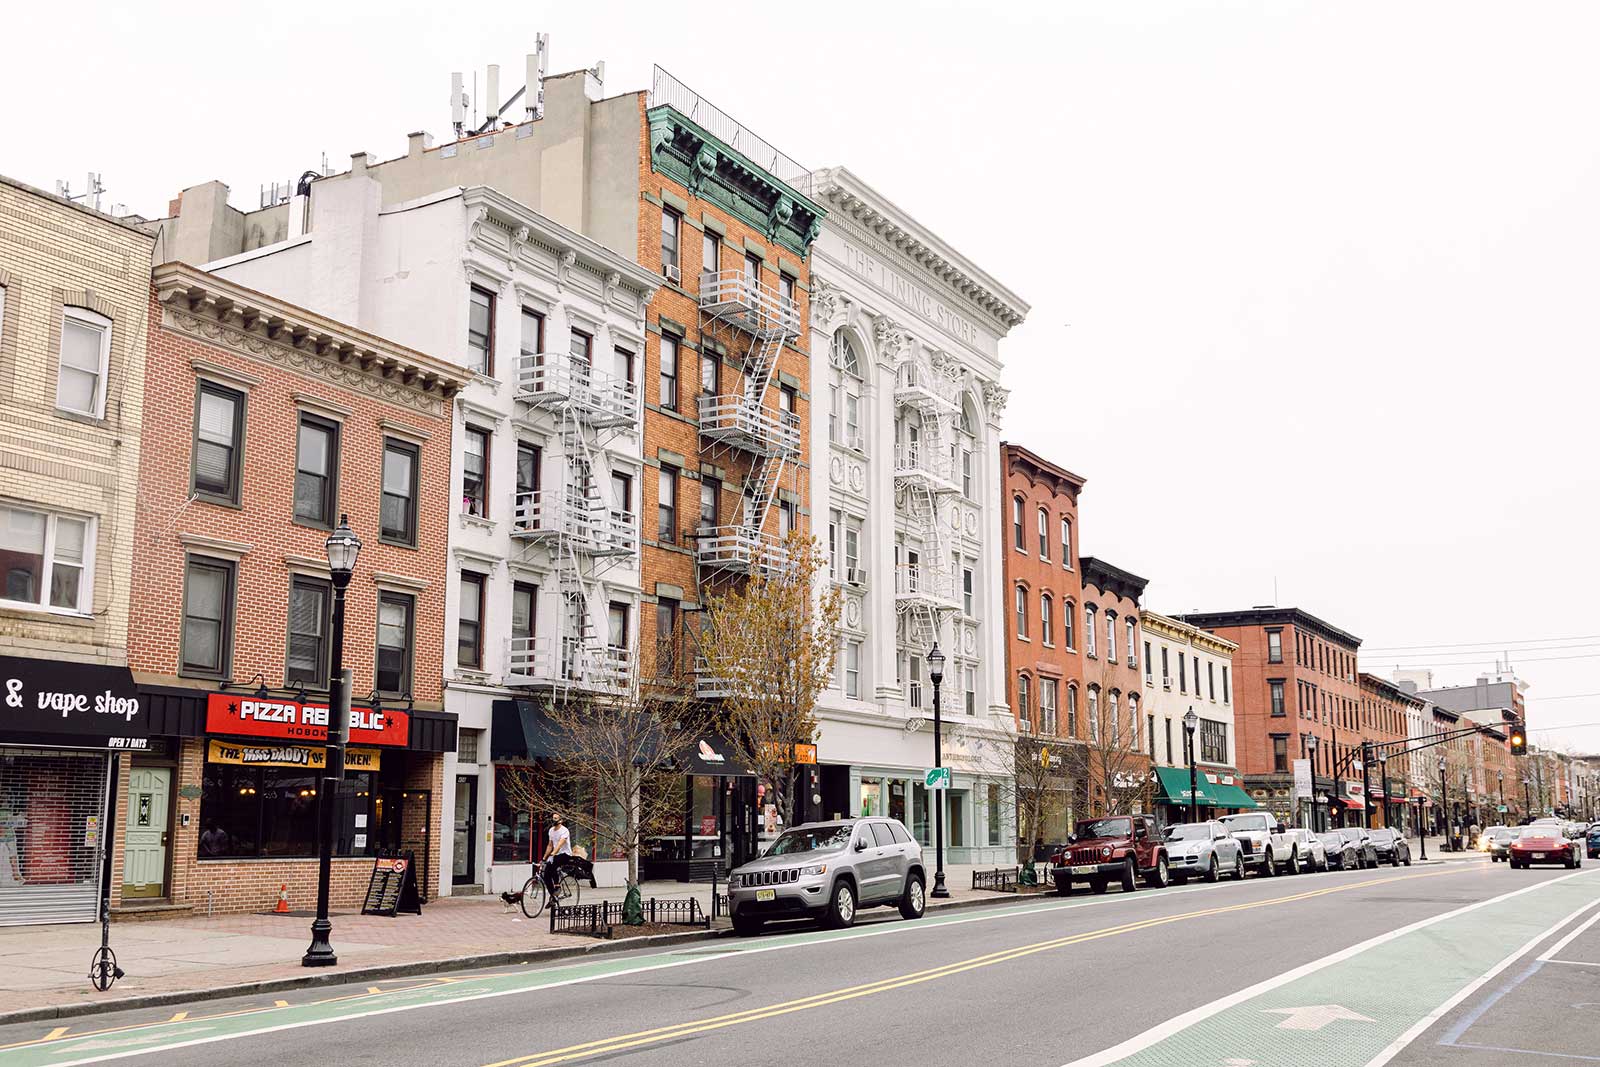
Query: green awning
1175	787
1231	796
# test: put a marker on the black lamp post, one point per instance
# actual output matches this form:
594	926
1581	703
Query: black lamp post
1383	766
1311	801
343	546
1422	825
1527	801
1190	721
1500	777
936	676
1444	803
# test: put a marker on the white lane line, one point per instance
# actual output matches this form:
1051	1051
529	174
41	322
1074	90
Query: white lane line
1555	949
1179	1023
1571	963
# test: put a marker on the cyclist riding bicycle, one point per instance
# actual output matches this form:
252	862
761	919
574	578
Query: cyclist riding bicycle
556	853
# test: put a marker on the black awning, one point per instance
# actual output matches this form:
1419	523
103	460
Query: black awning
55	697
518	732
713	754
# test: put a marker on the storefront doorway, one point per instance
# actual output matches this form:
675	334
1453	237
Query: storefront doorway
144	864
464	861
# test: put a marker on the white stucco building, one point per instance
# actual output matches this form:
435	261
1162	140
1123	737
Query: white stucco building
544	587
1186	668
905	497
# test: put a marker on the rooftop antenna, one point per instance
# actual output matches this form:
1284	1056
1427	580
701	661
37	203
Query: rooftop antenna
1274	589
90	197
458	104
533	100
492	87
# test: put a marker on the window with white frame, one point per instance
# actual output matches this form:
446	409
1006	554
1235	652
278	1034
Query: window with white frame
967	487
1111	717
48	559
1022	612
1133	720
1044	534
1066	542
1072	710
969	688
85	348
1068	622
1047	706
852	669
1047	620
1024	701
968	585
853	571
1093	709
1019	536
914	681
1111	636
1133	644
1088	629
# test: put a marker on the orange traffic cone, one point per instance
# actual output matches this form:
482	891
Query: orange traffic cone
283	901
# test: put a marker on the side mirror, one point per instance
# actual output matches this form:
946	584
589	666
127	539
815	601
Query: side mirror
1281	829
861	844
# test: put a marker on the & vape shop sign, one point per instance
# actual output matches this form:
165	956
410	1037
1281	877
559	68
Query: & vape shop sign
239	715
86	703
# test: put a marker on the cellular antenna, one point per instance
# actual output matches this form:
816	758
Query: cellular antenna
493	91
533	98
458	104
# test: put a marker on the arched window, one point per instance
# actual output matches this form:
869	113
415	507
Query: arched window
1044	534
1072	710
1024	702
964	449
1111	717
1111	636
1022	612
1066	542
1068	609
1047	620
1018	536
1133	643
1093	708
845	356
1088	629
844	395
1133	719
969	419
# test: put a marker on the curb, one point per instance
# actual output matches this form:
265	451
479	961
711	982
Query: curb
413	968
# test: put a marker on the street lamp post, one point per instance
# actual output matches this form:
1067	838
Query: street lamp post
342	546
1500	777
1366	784
1190	721
1422	826
1444	802
1311	801
1383	765
1527	801
936	676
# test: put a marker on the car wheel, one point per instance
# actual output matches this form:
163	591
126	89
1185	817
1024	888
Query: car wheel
1161	877
1408	859
1394	858
1097	884
1130	875
1063	887
746	925
841	906
1294	861
1269	868
1238	867
1569	864
1212	874
915	899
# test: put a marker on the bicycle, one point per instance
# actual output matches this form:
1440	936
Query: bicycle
535	895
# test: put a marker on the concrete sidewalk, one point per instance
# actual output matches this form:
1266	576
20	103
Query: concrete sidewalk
45	967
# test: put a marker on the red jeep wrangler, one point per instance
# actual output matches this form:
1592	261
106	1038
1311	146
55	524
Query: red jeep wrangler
1120	848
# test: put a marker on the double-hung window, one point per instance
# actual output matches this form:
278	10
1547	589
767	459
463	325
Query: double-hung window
1044	534
316	471
1111	637
469	632
1274	646
667	388
967	592
396	626
1019	536
310	605
710	492
207	644
1066	542
47	559
85	350
480	331
667	505
710	254
966	474
531	344
1133	644
1047	706
1024	702
398	509
1067	622
1047	620
670	223
1275	691
1022	612
218	441
475	473
1088	629
852	669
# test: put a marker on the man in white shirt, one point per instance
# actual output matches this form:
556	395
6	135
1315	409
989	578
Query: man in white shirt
556	851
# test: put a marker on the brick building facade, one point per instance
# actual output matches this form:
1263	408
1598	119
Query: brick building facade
1386	712
1113	729
269	423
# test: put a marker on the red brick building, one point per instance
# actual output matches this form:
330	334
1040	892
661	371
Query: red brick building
1296	696
1112	730
1385	712
265	423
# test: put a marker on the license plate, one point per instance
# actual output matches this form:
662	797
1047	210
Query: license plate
766	894
1538	855
1090	869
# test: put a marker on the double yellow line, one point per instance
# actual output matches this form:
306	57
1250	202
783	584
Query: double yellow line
606	1046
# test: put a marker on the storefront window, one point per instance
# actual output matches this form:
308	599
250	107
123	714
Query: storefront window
871	796
919	805
955	819
272	811
994	814
897	799
513	827
703	821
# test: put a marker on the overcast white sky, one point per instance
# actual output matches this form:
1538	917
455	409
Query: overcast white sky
1313	285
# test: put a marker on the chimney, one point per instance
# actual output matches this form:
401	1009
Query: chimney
418	143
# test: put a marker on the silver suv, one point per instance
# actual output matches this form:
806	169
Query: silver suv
830	870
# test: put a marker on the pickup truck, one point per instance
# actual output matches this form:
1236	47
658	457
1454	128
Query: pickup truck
1120	848
1267	844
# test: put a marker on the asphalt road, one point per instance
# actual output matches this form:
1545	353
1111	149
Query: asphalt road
1422	965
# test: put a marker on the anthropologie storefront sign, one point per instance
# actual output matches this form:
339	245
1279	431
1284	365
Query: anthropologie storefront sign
894	284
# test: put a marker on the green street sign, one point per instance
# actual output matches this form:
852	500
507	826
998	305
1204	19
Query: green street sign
1502	807
937	778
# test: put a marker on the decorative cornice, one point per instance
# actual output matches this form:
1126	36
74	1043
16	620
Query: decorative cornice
995	396
1156	623
263	328
1037	469
847	195
1111	579
1272	616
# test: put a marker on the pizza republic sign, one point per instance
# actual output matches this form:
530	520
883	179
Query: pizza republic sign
237	715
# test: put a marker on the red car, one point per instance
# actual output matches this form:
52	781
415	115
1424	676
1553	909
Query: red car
1120	848
1545	844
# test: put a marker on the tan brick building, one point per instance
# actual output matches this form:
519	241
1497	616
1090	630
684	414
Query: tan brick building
74	318
268	422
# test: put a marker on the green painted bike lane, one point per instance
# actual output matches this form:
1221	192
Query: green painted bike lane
141	1039
1367	1001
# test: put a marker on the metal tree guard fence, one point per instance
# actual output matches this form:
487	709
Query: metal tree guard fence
597	920
1001	879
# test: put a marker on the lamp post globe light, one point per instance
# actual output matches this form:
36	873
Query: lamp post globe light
343	547
1190	722
936	676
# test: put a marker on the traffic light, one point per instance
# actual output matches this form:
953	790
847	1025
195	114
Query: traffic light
1519	739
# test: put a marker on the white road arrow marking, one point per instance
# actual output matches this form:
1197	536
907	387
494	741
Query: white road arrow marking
1315	1016
1235	1061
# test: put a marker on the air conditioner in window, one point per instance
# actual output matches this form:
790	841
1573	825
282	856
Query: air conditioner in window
855	576
673	274
1166	681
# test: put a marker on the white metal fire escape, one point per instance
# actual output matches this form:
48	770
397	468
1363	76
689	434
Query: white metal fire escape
925	478
742	421
584	534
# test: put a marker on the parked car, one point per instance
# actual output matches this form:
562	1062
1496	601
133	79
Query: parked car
1203	850
1313	853
1500	844
1120	848
1543	843
1592	842
1360	839
830	870
1487	837
1266	843
1391	846
1341	853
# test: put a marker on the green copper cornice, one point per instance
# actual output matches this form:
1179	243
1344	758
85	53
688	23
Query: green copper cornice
716	172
